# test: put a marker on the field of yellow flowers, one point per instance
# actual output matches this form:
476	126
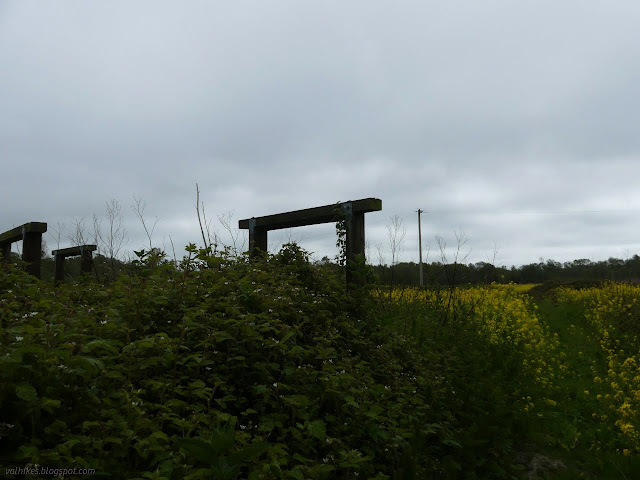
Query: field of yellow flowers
613	312
571	364
506	319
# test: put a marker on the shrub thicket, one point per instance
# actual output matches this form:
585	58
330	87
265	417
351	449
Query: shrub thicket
229	368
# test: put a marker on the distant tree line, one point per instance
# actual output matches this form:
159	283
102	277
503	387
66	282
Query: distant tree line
407	273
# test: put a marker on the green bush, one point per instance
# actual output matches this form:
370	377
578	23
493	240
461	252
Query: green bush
219	368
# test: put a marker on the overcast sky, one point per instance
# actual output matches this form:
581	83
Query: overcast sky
514	122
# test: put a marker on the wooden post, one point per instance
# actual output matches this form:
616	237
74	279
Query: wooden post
257	238
58	261
86	260
6	252
31	236
354	216
32	252
355	247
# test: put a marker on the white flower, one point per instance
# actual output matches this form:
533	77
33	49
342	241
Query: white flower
19	339
207	368
103	322
242	427
275	384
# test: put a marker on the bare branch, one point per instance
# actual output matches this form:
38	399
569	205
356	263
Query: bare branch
175	259
225	220
138	208
79	234
380	251
204	238
58	229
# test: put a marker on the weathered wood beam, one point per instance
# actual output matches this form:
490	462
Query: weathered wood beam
353	214
86	262
74	251
310	216
31	236
15	234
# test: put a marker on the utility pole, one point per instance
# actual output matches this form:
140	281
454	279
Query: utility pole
420	247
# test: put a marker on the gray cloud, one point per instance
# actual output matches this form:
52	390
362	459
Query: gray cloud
511	121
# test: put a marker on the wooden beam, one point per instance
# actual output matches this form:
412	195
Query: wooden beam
31	236
86	262
74	251
353	214
310	216
15	234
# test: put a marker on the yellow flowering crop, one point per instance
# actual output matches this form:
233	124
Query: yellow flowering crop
613	310
506	320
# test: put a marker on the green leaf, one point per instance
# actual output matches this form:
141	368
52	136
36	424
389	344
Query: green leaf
198	384
49	404
99	345
300	458
26	392
297	400
222	440
295	473
374	411
318	429
452	443
245	454
290	334
198	449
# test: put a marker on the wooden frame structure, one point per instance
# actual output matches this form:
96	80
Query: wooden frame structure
31	236
86	262
354	215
